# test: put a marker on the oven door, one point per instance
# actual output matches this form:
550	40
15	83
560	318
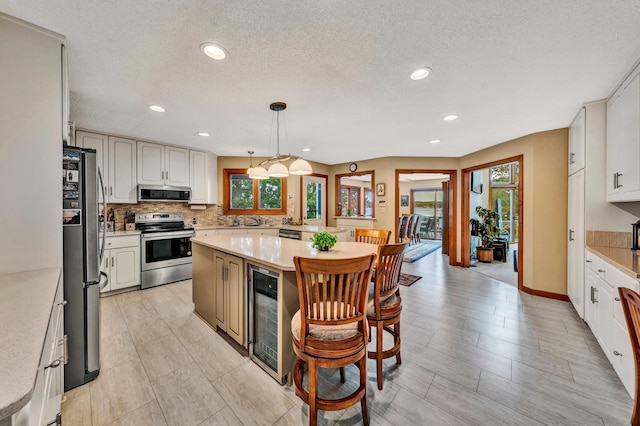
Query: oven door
163	249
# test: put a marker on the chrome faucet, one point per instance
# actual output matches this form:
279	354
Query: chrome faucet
253	218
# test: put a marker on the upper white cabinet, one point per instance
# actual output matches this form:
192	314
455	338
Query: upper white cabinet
101	144
203	169
162	165
122	170
577	142
623	141
117	162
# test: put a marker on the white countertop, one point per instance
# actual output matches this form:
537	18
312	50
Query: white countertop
26	301
278	252
303	228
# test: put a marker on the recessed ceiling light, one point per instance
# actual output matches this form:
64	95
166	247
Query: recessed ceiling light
306	149
202	134
451	117
213	51
420	73
156	108
435	141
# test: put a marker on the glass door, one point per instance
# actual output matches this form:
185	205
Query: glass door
313	202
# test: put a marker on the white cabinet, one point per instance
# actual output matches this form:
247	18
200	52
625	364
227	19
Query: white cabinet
272	232
122	171
101	144
623	141
203	171
350	224
116	158
122	262
575	244
162	165
604	314
44	406
206	233
577	142
230	295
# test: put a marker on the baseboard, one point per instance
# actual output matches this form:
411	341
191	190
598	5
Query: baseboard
546	294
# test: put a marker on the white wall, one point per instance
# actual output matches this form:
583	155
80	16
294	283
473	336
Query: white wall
30	148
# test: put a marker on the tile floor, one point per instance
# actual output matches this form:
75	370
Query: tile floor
475	351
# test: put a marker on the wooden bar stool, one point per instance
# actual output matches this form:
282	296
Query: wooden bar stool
385	303
330	329
631	306
372	236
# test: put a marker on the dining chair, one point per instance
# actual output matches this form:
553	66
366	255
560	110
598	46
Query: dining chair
385	304
330	330
372	236
631	307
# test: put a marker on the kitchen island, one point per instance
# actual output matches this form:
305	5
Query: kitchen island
245	285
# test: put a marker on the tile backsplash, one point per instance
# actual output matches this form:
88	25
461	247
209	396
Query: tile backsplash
608	239
211	216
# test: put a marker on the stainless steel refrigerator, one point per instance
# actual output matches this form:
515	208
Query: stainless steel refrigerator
82	252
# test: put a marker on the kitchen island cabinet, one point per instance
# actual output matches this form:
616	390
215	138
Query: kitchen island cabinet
33	355
213	256
351	223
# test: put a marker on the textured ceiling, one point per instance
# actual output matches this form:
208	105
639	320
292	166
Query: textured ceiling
507	67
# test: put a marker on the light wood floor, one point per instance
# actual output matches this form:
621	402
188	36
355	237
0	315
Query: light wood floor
475	351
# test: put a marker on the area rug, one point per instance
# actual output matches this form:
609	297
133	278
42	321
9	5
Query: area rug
420	250
408	279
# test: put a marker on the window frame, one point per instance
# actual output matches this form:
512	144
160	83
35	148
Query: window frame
226	193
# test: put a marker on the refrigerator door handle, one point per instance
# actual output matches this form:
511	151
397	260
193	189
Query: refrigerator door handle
104	227
106	280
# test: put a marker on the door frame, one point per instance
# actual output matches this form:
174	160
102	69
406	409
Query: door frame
452	196
326	195
466	189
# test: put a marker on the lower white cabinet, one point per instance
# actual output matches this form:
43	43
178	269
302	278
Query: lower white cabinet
121	262
44	406
350	224
605	316
229	288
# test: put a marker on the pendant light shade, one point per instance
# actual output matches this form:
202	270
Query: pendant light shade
300	167
259	172
250	169
278	168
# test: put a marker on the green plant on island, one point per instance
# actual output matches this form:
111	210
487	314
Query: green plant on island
324	240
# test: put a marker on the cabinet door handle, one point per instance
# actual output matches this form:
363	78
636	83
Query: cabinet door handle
111	190
572	157
588	261
112	262
65	349
620	185
55	363
616	353
571	232
63	303
593	295
601	270
617	299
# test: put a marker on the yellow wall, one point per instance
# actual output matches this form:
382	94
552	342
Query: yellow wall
545	204
544	197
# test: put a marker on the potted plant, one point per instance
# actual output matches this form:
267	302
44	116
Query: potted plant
486	227
324	240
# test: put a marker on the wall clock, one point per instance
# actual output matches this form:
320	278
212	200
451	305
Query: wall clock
353	167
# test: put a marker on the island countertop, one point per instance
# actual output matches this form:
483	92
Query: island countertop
278	252
302	228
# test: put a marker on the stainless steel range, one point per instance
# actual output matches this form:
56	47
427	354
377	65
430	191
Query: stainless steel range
166	248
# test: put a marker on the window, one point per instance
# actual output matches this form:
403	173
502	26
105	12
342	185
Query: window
243	195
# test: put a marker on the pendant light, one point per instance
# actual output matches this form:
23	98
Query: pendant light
250	169
277	167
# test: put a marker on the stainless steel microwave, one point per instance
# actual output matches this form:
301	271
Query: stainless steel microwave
163	193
